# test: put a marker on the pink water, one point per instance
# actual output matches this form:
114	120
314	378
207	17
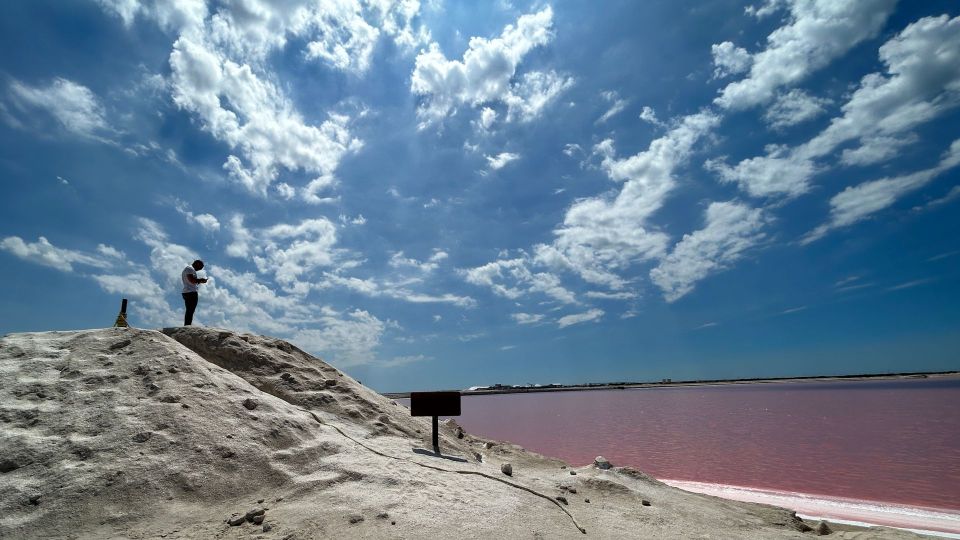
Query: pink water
889	441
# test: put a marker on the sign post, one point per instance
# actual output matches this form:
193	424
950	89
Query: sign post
122	317
435	404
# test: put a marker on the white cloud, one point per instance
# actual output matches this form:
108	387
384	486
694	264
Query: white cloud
500	160
859	202
487	73
397	260
520	280
348	339
603	295
260	123
648	115
604	234
731	228
577	318
617	106
794	107
207	222
533	93
487	117
951	196
73	106
921	83
44	253
728	59
818	31
779	173
526	318
147	298
570	149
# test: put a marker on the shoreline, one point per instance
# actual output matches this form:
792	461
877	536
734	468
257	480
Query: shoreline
706	382
942	522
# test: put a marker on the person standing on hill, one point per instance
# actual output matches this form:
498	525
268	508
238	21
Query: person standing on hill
190	295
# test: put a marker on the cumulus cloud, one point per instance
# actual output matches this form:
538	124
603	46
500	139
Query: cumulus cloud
728	59
397	260
921	83
488	73
253	117
526	318
513	278
350	338
577	318
858	202
818	31
794	107
74	107
602	235
500	160
219	73
779	173
731	228
44	253
207	222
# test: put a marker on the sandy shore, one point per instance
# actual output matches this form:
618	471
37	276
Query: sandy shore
206	433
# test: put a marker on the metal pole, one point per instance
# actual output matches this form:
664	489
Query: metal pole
436	439
123	306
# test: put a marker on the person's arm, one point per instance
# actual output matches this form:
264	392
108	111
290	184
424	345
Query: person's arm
192	278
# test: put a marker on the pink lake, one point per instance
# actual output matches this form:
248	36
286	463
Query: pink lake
895	441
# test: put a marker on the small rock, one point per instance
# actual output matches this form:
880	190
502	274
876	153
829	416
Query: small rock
34	500
573	473
586	500
572	490
184	405
383	515
822	529
279	499
393	522
645	502
257	520
7	465
562	499
329	382
488	445
235	520
507	469
172	369
260	501
356	518
250	404
601	463
267	527
142	437
563	467
254	512
170	399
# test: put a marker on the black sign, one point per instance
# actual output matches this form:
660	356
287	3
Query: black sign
435	403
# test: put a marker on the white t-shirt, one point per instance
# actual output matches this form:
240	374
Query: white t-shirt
187	286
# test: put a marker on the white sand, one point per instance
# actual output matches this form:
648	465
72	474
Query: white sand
126	433
938	522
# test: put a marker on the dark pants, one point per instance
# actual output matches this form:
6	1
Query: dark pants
190	300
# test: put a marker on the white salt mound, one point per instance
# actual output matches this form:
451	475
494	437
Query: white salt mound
207	433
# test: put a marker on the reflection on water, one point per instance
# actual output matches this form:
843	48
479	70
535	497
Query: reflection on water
892	441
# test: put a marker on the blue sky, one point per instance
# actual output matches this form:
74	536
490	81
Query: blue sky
439	194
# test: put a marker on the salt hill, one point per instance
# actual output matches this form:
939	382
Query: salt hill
207	433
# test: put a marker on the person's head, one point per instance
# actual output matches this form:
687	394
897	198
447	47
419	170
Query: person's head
197	264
